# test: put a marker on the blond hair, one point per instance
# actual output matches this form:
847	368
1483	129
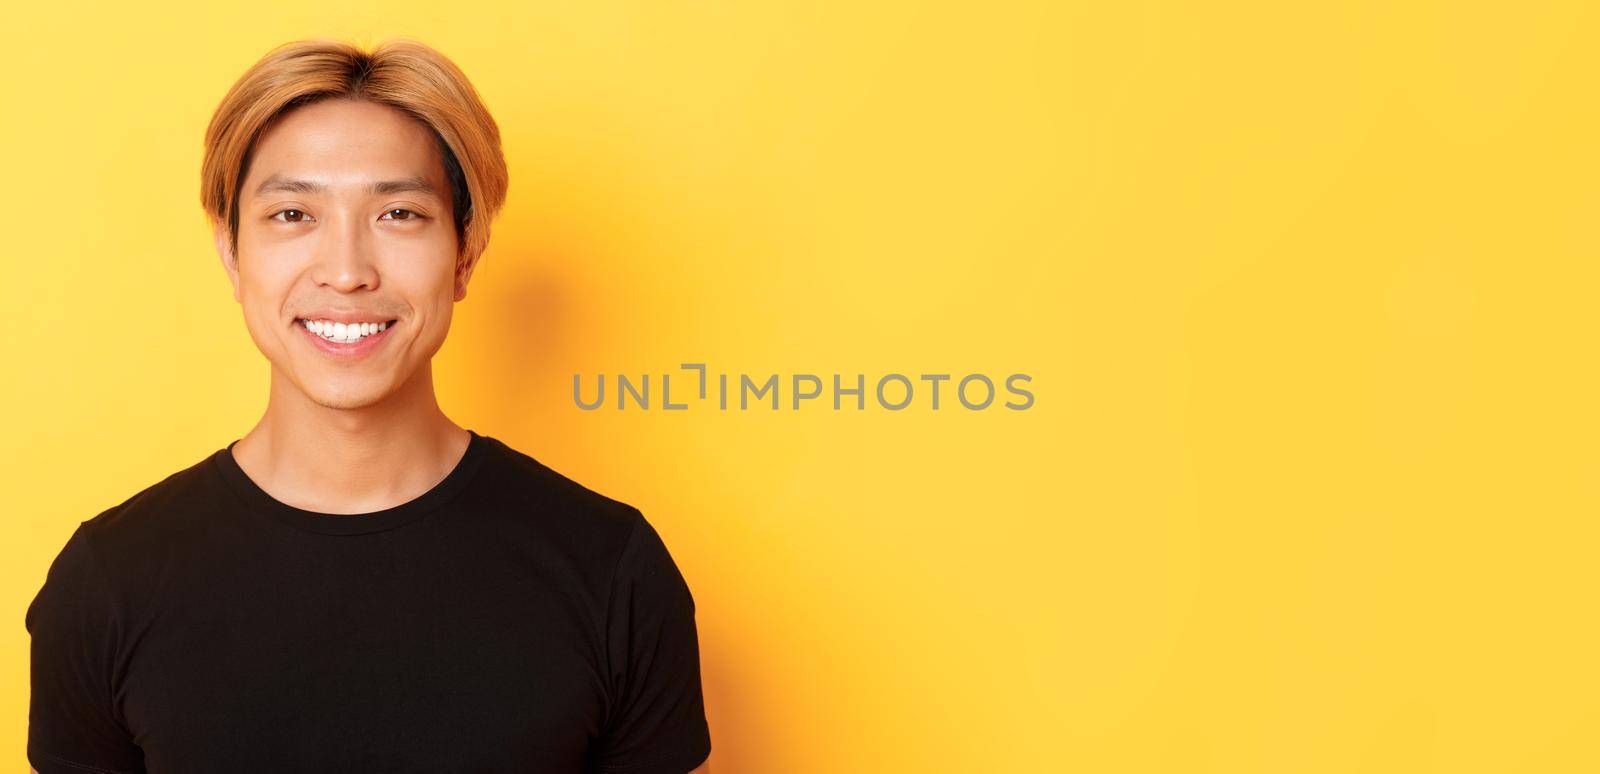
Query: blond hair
401	73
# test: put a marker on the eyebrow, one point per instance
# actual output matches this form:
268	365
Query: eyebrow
279	184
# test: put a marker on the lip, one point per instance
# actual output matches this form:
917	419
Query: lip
355	351
345	316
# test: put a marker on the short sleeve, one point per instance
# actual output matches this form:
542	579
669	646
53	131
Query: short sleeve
72	725
655	721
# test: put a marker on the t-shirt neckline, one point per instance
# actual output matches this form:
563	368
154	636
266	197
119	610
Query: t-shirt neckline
258	500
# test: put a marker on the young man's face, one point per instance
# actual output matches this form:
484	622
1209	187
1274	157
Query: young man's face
344	217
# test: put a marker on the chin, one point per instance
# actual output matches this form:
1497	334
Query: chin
336	400
332	394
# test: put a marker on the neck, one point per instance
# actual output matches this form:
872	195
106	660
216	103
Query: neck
351	460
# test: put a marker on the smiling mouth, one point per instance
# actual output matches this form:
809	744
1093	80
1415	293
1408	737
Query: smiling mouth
345	333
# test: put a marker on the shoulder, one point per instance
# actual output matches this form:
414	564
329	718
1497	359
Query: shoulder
84	570
540	496
609	541
156	513
545	519
133	545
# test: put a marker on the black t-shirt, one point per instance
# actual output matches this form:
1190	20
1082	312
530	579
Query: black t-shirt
507	620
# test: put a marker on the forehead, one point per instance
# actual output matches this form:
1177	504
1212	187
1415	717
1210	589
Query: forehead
346	143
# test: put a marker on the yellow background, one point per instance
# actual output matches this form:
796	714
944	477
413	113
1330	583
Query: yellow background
1306	294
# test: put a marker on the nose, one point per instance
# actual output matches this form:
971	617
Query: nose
346	260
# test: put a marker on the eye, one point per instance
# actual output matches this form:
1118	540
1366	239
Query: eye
401	213
290	216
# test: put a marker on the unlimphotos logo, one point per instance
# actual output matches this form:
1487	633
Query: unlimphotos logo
974	392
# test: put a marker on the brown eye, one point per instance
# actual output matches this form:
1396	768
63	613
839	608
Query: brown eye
289	216
403	214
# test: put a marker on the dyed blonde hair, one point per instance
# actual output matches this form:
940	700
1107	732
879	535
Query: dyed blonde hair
400	73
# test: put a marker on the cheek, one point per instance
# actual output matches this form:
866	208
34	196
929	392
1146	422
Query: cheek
426	251
425	276
264	286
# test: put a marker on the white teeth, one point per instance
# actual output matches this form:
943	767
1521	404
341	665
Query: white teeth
341	333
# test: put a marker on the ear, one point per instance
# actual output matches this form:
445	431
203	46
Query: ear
219	233
463	276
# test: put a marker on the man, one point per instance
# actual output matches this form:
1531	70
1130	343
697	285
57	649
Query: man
359	584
